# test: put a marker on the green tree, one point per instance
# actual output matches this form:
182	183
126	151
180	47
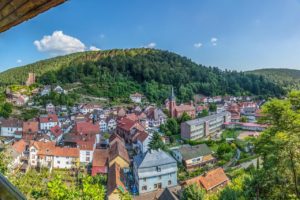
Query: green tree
92	190
193	192
243	119
4	162
125	196
278	147
5	110
156	142
204	113
212	107
184	117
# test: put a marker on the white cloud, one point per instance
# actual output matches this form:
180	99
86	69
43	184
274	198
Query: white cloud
102	36
93	48
151	45
19	61
198	45
59	44
214	41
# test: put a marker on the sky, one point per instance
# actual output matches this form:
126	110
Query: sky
233	34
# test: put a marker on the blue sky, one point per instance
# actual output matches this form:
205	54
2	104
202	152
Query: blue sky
231	34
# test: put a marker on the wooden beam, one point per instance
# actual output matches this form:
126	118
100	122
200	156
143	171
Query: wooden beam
18	11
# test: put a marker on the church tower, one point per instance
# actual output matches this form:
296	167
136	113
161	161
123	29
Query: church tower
172	103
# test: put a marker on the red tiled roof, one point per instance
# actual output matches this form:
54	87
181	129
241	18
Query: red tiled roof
100	157
49	148
86	145
87	127
19	146
56	131
30	126
126	124
48	118
182	108
140	135
213	178
12	122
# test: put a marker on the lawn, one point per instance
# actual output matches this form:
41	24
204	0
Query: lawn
230	133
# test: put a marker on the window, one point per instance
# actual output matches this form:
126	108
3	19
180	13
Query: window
144	179
158	169
169	182
32	150
58	162
144	187
67	162
155	186
87	159
87	153
159	177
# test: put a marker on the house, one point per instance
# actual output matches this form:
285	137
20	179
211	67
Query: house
111	123
56	133
47	154
22	100
48	121
126	128
118	154
86	151
88	108
11	127
201	127
246	126
156	117
142	140
210	181
46	90
30	127
154	170
50	108
177	111
18	154
103	125
84	127
58	89
100	162
193	157
136	97
115	182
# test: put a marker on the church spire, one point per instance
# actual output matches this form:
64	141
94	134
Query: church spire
172	96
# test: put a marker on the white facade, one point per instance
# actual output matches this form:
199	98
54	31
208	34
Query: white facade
111	124
10	131
86	156
63	162
47	125
103	125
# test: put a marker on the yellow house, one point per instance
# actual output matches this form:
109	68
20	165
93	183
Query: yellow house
115	185
119	155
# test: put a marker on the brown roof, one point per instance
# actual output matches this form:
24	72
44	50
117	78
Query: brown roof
56	131
118	149
182	108
115	179
126	124
100	157
213	178
14	12
140	135
49	149
86	145
115	137
19	146
87	127
12	122
30	126
48	118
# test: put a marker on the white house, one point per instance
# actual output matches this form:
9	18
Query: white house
111	124
59	90
86	152
136	97
46	90
48	121
47	154
103	125
11	127
50	108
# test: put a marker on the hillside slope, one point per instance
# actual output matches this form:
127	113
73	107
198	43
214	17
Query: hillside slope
287	78
117	73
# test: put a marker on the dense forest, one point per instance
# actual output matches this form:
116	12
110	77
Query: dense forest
117	73
286	78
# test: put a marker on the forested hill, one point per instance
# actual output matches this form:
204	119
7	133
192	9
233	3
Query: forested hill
287	78
117	73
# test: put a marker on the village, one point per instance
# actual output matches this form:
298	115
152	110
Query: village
120	142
